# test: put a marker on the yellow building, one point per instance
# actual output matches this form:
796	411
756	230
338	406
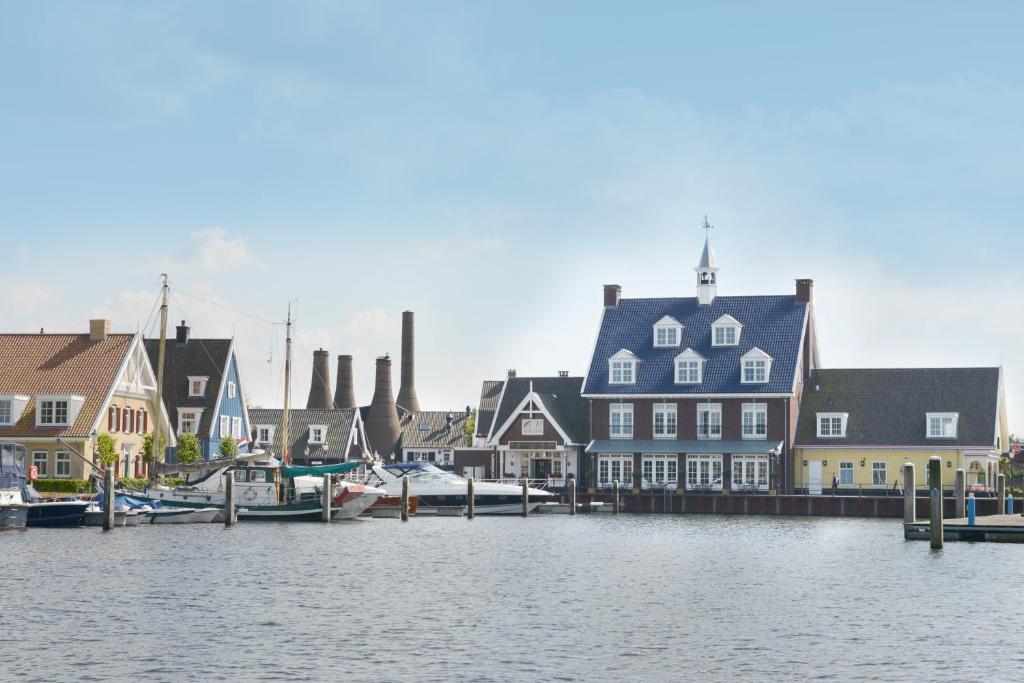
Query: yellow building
58	392
857	427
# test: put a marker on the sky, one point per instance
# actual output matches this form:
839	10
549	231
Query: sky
491	165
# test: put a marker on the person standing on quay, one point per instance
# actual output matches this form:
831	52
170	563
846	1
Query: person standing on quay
835	484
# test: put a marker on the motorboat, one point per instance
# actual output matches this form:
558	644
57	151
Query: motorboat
54	513
13	510
436	488
169	515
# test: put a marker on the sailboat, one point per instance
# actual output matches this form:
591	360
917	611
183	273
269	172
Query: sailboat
266	488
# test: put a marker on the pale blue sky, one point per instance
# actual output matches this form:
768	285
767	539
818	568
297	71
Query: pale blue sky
490	166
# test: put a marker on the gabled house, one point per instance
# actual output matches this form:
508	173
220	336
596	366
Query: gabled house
59	392
433	436
537	426
860	425
315	437
203	389
698	392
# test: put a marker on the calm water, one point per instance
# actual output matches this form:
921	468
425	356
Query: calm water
553	598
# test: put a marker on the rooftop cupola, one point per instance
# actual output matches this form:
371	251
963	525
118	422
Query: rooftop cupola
707	269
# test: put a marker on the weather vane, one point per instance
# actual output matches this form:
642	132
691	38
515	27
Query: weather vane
707	227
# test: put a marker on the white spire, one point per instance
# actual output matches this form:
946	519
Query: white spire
707	269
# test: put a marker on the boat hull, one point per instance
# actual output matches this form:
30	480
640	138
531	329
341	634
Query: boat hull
181	516
95	517
57	515
13	516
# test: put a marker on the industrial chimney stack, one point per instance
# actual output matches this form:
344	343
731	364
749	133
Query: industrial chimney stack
344	394
320	385
407	391
382	427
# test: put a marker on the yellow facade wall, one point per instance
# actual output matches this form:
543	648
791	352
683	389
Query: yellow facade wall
862	475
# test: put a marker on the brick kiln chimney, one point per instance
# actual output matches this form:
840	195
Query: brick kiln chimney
407	391
344	394
320	384
382	426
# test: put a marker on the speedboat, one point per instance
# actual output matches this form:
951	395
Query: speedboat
13	510
436	488
52	513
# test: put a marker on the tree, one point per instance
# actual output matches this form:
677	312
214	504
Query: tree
106	449
147	447
228	447
470	427
188	449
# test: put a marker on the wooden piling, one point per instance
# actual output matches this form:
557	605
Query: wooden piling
935	501
572	497
960	493
909	494
526	497
325	513
1001	493
405	498
229	499
108	498
470	499
615	490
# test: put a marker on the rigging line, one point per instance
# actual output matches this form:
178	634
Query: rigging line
229	308
151	318
306	351
216	367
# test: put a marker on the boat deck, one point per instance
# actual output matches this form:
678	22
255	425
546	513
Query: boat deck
991	528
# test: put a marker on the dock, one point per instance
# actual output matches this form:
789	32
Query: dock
990	528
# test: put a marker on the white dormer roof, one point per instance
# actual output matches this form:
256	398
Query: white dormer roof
689	354
624	354
727	321
756	353
668	321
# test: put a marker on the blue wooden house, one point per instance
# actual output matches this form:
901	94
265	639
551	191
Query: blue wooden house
203	390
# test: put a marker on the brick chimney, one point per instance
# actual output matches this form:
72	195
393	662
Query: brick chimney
181	333
98	330
805	290
611	295
344	393
407	389
320	383
383	429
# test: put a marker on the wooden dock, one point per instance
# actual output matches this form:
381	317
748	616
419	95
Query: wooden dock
991	528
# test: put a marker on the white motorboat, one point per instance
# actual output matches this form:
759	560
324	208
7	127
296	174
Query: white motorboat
94	516
181	515
436	488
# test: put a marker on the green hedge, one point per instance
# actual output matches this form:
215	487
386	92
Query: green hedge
63	485
137	483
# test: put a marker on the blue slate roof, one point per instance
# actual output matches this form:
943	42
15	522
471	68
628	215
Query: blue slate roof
773	324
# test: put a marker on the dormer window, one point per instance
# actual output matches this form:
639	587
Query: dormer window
668	332
832	425
942	425
622	368
726	331
689	367
11	408
317	434
57	411
264	434
197	386
757	367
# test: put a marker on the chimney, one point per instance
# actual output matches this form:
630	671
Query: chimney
98	330
382	426
449	420
344	394
805	290
611	295
469	411
407	390
511	373
320	385
563	373
181	333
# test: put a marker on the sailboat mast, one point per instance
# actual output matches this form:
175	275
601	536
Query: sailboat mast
285	442
157	455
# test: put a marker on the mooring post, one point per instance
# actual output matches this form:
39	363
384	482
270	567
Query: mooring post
959	492
229	499
572	497
615	490
909	494
108	498
935	500
470	499
971	507
1001	492
325	513
405	498
526	497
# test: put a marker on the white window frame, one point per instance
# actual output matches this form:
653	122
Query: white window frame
668	333
323	434
714	426
16	404
54	402
703	470
6	411
618	429
232	390
883	469
749	472
730	330
760	365
668	413
532	426
612	466
685	364
198	412
236	428
829	419
953	419
846	466
757	428
225	426
622	368
203	381
62	458
269	429
44	471
659	471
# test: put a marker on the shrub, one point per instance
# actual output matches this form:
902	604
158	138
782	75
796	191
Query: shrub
62	485
188	449
147	447
135	482
228	448
106	449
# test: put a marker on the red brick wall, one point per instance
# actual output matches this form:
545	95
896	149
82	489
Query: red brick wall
686	412
515	433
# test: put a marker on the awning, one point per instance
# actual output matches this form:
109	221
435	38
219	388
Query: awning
292	471
674	446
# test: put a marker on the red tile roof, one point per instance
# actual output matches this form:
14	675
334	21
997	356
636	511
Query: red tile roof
33	364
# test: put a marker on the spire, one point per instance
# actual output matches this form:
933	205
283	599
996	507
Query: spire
707	269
